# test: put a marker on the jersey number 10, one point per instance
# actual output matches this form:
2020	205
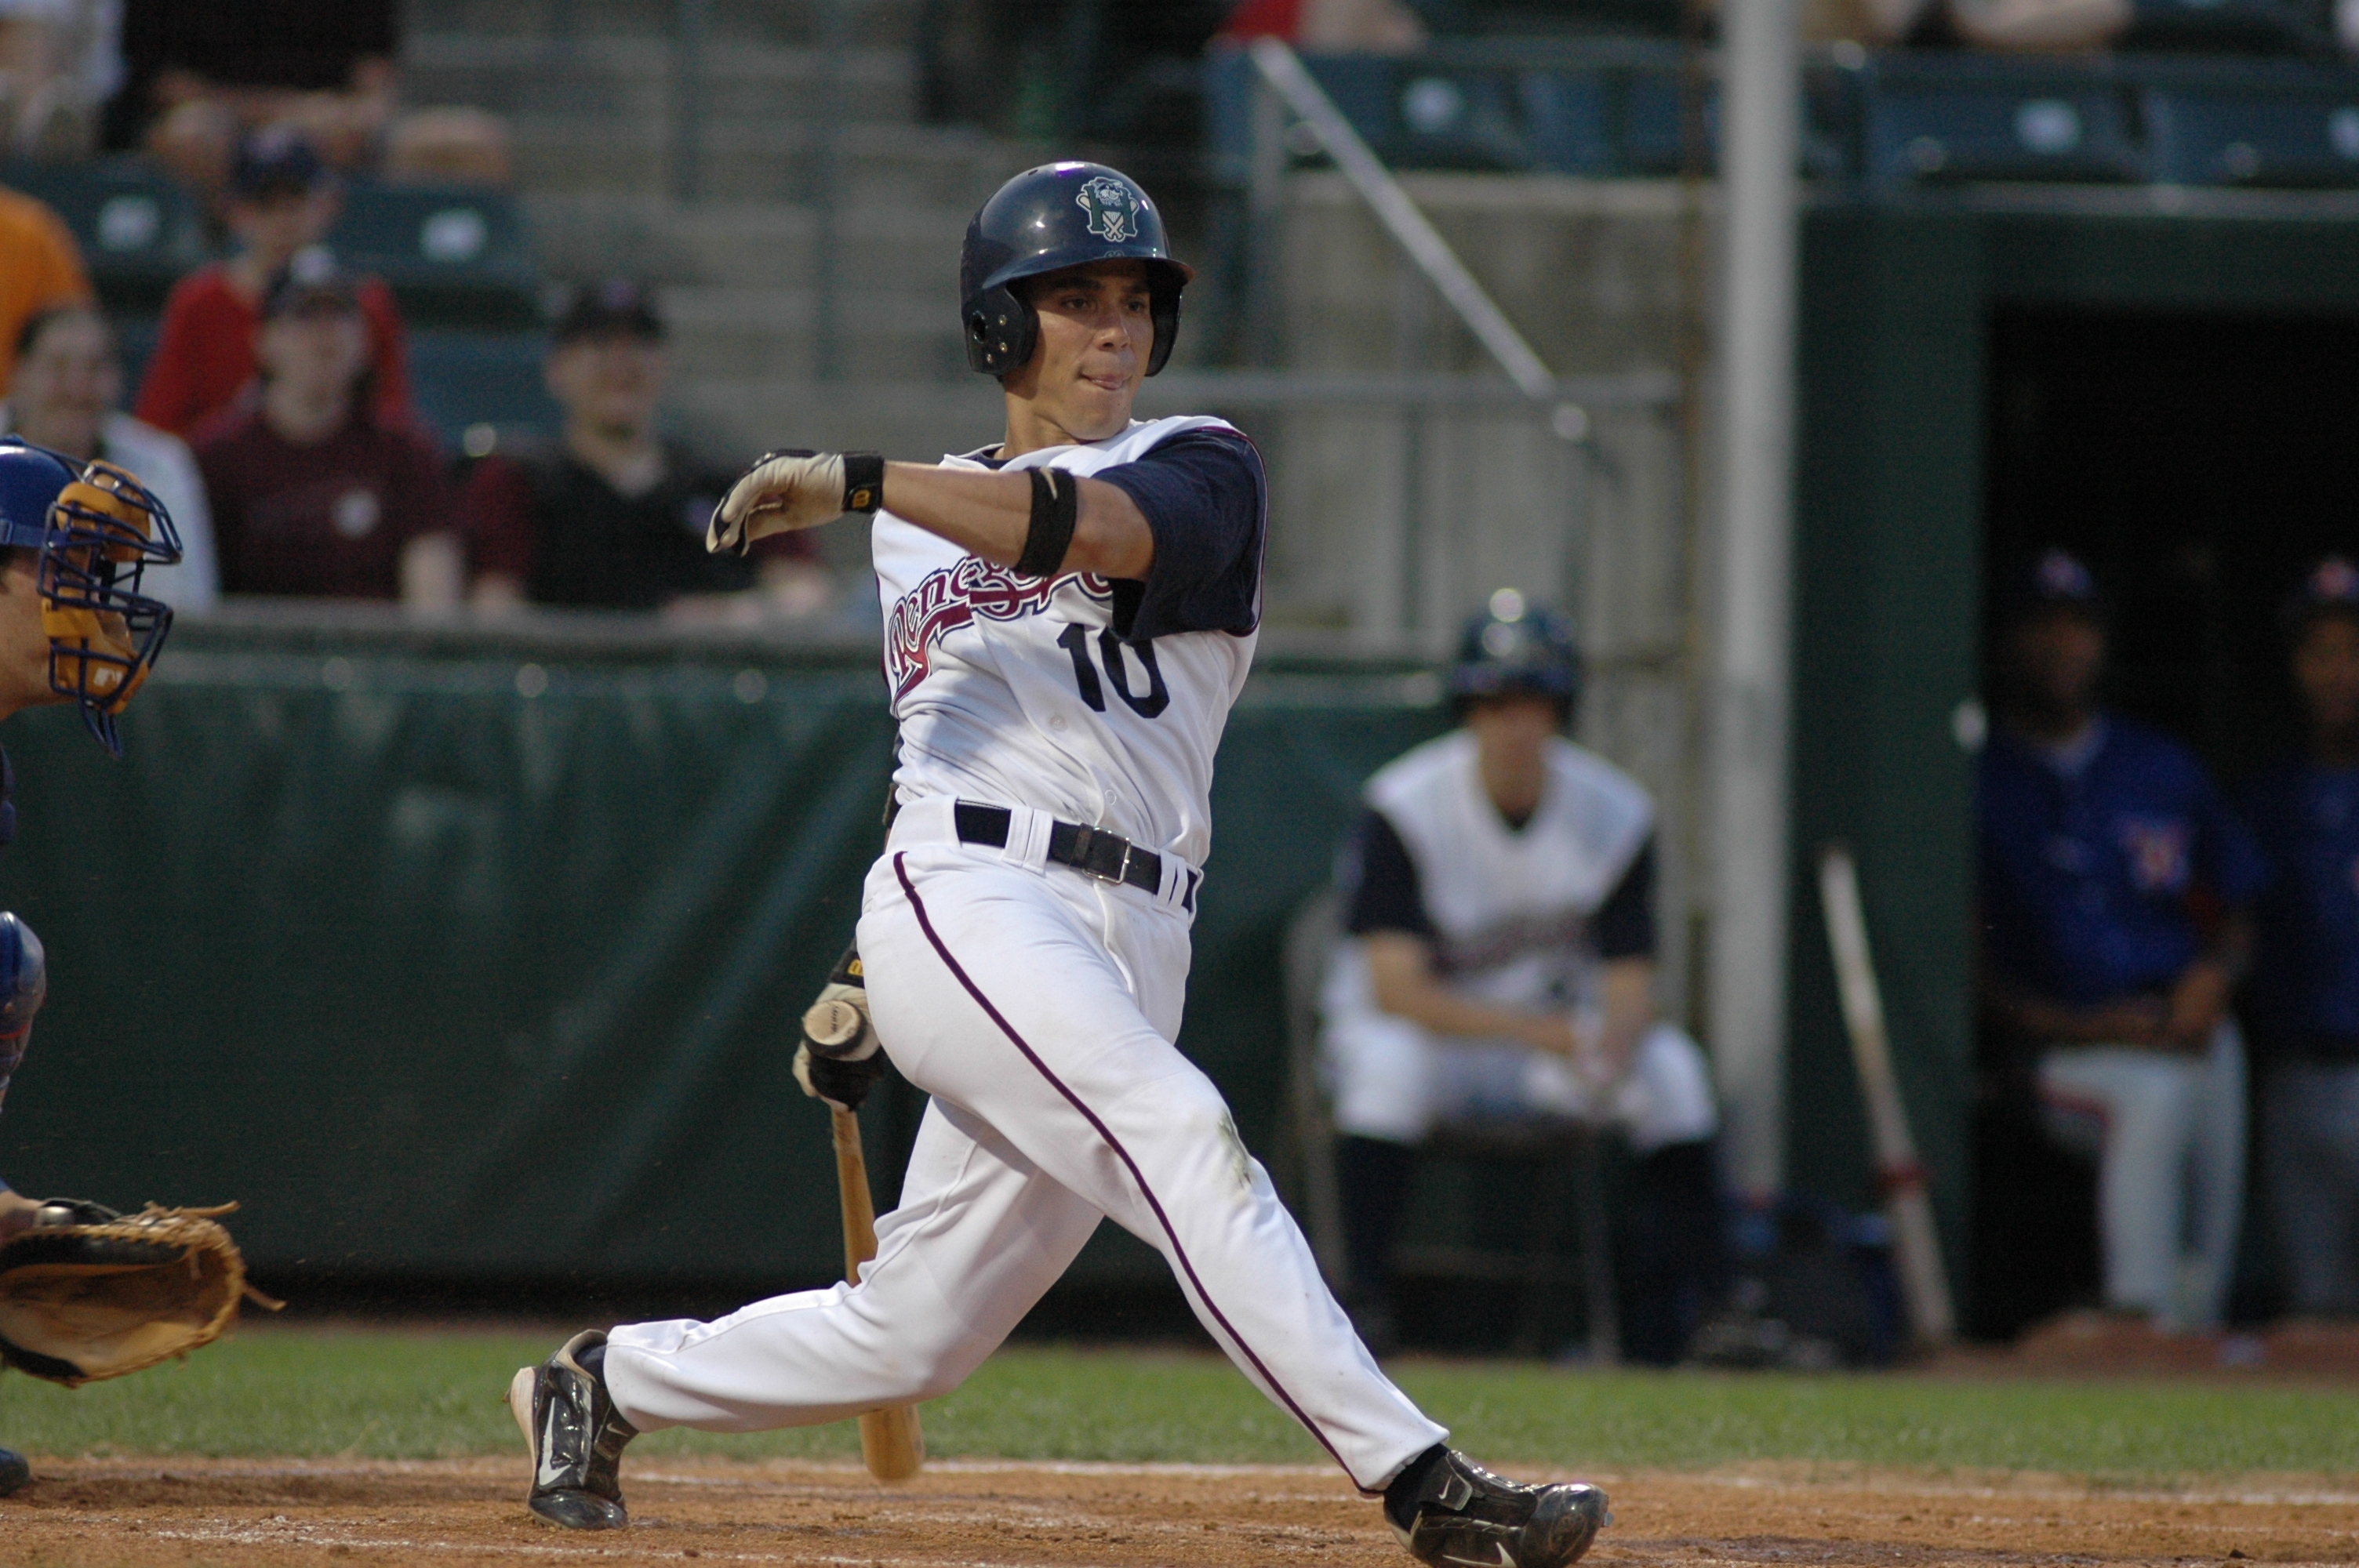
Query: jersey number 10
1075	640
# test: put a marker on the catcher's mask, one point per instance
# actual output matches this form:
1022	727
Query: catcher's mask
97	536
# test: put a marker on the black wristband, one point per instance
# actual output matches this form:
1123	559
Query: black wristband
864	482
1055	507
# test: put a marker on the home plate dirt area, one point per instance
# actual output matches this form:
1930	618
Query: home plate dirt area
988	1514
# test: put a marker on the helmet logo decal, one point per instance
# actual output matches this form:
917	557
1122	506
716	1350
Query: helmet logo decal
1113	206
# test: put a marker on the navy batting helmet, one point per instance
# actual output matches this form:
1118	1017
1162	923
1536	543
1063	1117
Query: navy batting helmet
1514	646
1047	218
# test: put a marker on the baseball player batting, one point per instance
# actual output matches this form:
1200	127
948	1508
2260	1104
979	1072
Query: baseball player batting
1070	613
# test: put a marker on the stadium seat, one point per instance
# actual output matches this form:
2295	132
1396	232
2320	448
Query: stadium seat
1651	133
478	390
1568	117
1940	119
1414	114
2282	125
455	256
139	230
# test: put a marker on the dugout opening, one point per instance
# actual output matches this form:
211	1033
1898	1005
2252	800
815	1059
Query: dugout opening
2198	464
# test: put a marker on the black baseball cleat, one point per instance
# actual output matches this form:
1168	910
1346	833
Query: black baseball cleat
14	1472
575	1435
1448	1509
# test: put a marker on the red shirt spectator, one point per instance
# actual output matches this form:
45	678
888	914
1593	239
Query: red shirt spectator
205	353
283	200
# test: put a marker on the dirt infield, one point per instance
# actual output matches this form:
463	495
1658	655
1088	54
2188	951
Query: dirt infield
997	1515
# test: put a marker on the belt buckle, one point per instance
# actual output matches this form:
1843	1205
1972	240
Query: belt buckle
1085	839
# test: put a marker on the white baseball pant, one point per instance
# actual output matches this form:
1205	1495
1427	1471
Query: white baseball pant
2167	1132
1390	1078
1038	1007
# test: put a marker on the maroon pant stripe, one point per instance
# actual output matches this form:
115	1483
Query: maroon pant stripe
1104	1131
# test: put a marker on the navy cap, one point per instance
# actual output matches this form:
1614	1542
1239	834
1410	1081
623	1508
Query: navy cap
2052	579
278	160
617	305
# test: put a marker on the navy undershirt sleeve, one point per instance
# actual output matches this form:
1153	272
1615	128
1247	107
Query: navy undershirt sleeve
1204	497
1380	885
1624	924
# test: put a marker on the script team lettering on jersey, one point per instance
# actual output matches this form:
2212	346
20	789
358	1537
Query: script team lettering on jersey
953	596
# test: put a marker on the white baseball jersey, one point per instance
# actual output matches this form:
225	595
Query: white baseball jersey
1511	911
1013	690
1509	907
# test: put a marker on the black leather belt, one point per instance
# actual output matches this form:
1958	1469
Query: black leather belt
1093	851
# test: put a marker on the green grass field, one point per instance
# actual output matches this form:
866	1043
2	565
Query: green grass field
414	1394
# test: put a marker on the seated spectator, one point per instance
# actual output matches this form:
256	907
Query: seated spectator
2115	895
59	64
1501	965
69	380
40	266
203	74
284	200
2304	998
312	495
612	518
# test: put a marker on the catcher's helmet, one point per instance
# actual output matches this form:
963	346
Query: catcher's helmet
97	531
1514	646
1046	219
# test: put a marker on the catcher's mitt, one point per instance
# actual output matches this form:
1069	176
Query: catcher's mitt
86	1292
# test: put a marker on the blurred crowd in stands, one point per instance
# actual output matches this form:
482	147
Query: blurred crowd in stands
274	413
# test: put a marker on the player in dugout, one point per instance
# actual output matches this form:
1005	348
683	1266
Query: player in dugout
1070	609
2303	1004
2115	888
76	541
1499	965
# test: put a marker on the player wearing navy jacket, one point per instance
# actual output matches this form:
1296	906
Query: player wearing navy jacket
2303	1004
2114	887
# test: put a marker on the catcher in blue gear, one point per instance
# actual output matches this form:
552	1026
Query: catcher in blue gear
75	541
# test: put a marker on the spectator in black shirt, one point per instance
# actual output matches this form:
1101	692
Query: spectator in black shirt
612	518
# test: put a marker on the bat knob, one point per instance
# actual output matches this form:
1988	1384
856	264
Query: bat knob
832	1025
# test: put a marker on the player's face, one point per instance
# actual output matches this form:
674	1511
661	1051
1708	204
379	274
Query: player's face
320	348
2326	668
24	644
1513	729
611	381
66	385
2058	656
1096	331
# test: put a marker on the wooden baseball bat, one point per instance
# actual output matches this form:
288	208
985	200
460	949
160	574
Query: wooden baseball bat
892	1444
1924	1282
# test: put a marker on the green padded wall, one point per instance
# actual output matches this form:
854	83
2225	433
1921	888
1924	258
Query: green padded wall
439	978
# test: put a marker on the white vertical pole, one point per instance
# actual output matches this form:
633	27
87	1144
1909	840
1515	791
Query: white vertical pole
1759	144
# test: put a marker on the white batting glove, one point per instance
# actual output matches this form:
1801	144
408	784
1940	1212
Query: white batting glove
785	492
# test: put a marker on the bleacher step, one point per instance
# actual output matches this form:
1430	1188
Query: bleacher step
750	244
631	79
